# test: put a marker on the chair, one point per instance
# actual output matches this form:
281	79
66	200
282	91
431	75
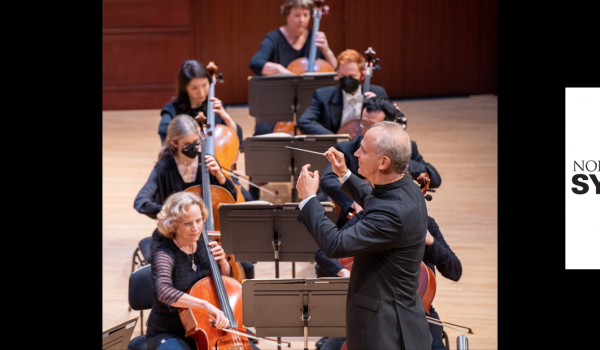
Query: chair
145	257
141	297
446	340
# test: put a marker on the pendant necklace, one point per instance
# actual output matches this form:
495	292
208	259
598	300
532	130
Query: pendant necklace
191	258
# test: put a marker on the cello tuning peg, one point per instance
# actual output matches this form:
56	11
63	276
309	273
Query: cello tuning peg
209	133
325	10
220	78
208	126
376	68
376	60
428	197
430	190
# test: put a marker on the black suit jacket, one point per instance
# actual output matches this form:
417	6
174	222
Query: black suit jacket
330	184
383	308
324	115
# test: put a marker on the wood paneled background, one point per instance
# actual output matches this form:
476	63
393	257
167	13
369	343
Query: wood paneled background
426	47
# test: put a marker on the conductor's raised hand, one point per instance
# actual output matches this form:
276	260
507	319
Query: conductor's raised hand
308	182
338	163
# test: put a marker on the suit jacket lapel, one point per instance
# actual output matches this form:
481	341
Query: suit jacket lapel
336	105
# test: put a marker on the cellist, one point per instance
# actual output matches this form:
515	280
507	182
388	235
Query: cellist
178	168
437	255
178	262
193	82
333	106
287	43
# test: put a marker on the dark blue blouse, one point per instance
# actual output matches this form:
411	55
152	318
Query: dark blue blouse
275	48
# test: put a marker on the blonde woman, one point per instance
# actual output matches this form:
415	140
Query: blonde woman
178	262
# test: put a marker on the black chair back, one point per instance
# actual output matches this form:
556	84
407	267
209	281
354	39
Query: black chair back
141	288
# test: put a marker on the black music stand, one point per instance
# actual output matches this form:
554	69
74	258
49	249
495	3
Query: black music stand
267	232
296	307
281	97
268	160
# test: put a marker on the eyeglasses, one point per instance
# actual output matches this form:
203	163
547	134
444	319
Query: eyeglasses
363	125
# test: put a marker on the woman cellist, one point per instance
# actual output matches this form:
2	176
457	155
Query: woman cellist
177	169
193	81
287	43
178	262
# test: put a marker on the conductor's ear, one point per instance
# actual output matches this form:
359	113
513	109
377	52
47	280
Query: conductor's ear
385	164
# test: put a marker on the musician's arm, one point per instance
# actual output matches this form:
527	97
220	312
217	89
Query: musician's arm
309	122
417	165
144	201
331	267
166	293
260	62
330	184
440	254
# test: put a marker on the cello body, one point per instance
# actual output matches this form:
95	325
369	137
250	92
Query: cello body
196	320
227	149
299	66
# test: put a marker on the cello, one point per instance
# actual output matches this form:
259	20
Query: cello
311	64
222	291
352	127
224	145
216	194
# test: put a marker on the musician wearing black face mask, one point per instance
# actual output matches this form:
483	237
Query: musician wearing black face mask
333	106
178	168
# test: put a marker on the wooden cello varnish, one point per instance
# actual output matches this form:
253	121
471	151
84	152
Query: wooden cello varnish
222	292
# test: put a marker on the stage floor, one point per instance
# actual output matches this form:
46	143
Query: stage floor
459	136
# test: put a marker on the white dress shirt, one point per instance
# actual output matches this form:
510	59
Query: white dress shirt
352	105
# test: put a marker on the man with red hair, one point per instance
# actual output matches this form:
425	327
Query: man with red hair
333	106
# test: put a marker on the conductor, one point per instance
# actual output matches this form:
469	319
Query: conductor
383	309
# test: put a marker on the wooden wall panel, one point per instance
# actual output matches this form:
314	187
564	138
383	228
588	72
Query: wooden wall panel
143	44
427	48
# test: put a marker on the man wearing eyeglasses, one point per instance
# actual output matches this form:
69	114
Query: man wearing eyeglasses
374	110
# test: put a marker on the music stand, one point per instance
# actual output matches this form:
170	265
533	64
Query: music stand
268	160
267	232
296	307
119	336
280	97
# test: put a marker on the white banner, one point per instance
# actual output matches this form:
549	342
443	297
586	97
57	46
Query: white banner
582	217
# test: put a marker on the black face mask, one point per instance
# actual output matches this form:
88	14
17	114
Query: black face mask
349	84
191	151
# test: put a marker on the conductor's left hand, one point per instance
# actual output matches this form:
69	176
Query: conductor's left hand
308	182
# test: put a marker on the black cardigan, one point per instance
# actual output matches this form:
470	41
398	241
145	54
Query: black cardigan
166	180
275	48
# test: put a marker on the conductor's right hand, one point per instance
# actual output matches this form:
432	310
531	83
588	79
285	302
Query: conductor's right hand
217	316
338	163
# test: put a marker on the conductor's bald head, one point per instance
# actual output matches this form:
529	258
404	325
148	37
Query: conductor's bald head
392	142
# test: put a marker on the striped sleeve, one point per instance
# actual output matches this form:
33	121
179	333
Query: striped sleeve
162	270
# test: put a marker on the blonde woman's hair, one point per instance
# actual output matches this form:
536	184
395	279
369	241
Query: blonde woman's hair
287	6
175	210
394	144
181	126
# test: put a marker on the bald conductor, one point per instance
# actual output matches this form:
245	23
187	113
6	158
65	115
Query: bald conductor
383	309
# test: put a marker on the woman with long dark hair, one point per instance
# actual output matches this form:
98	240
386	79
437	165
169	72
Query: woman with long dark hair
193	83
